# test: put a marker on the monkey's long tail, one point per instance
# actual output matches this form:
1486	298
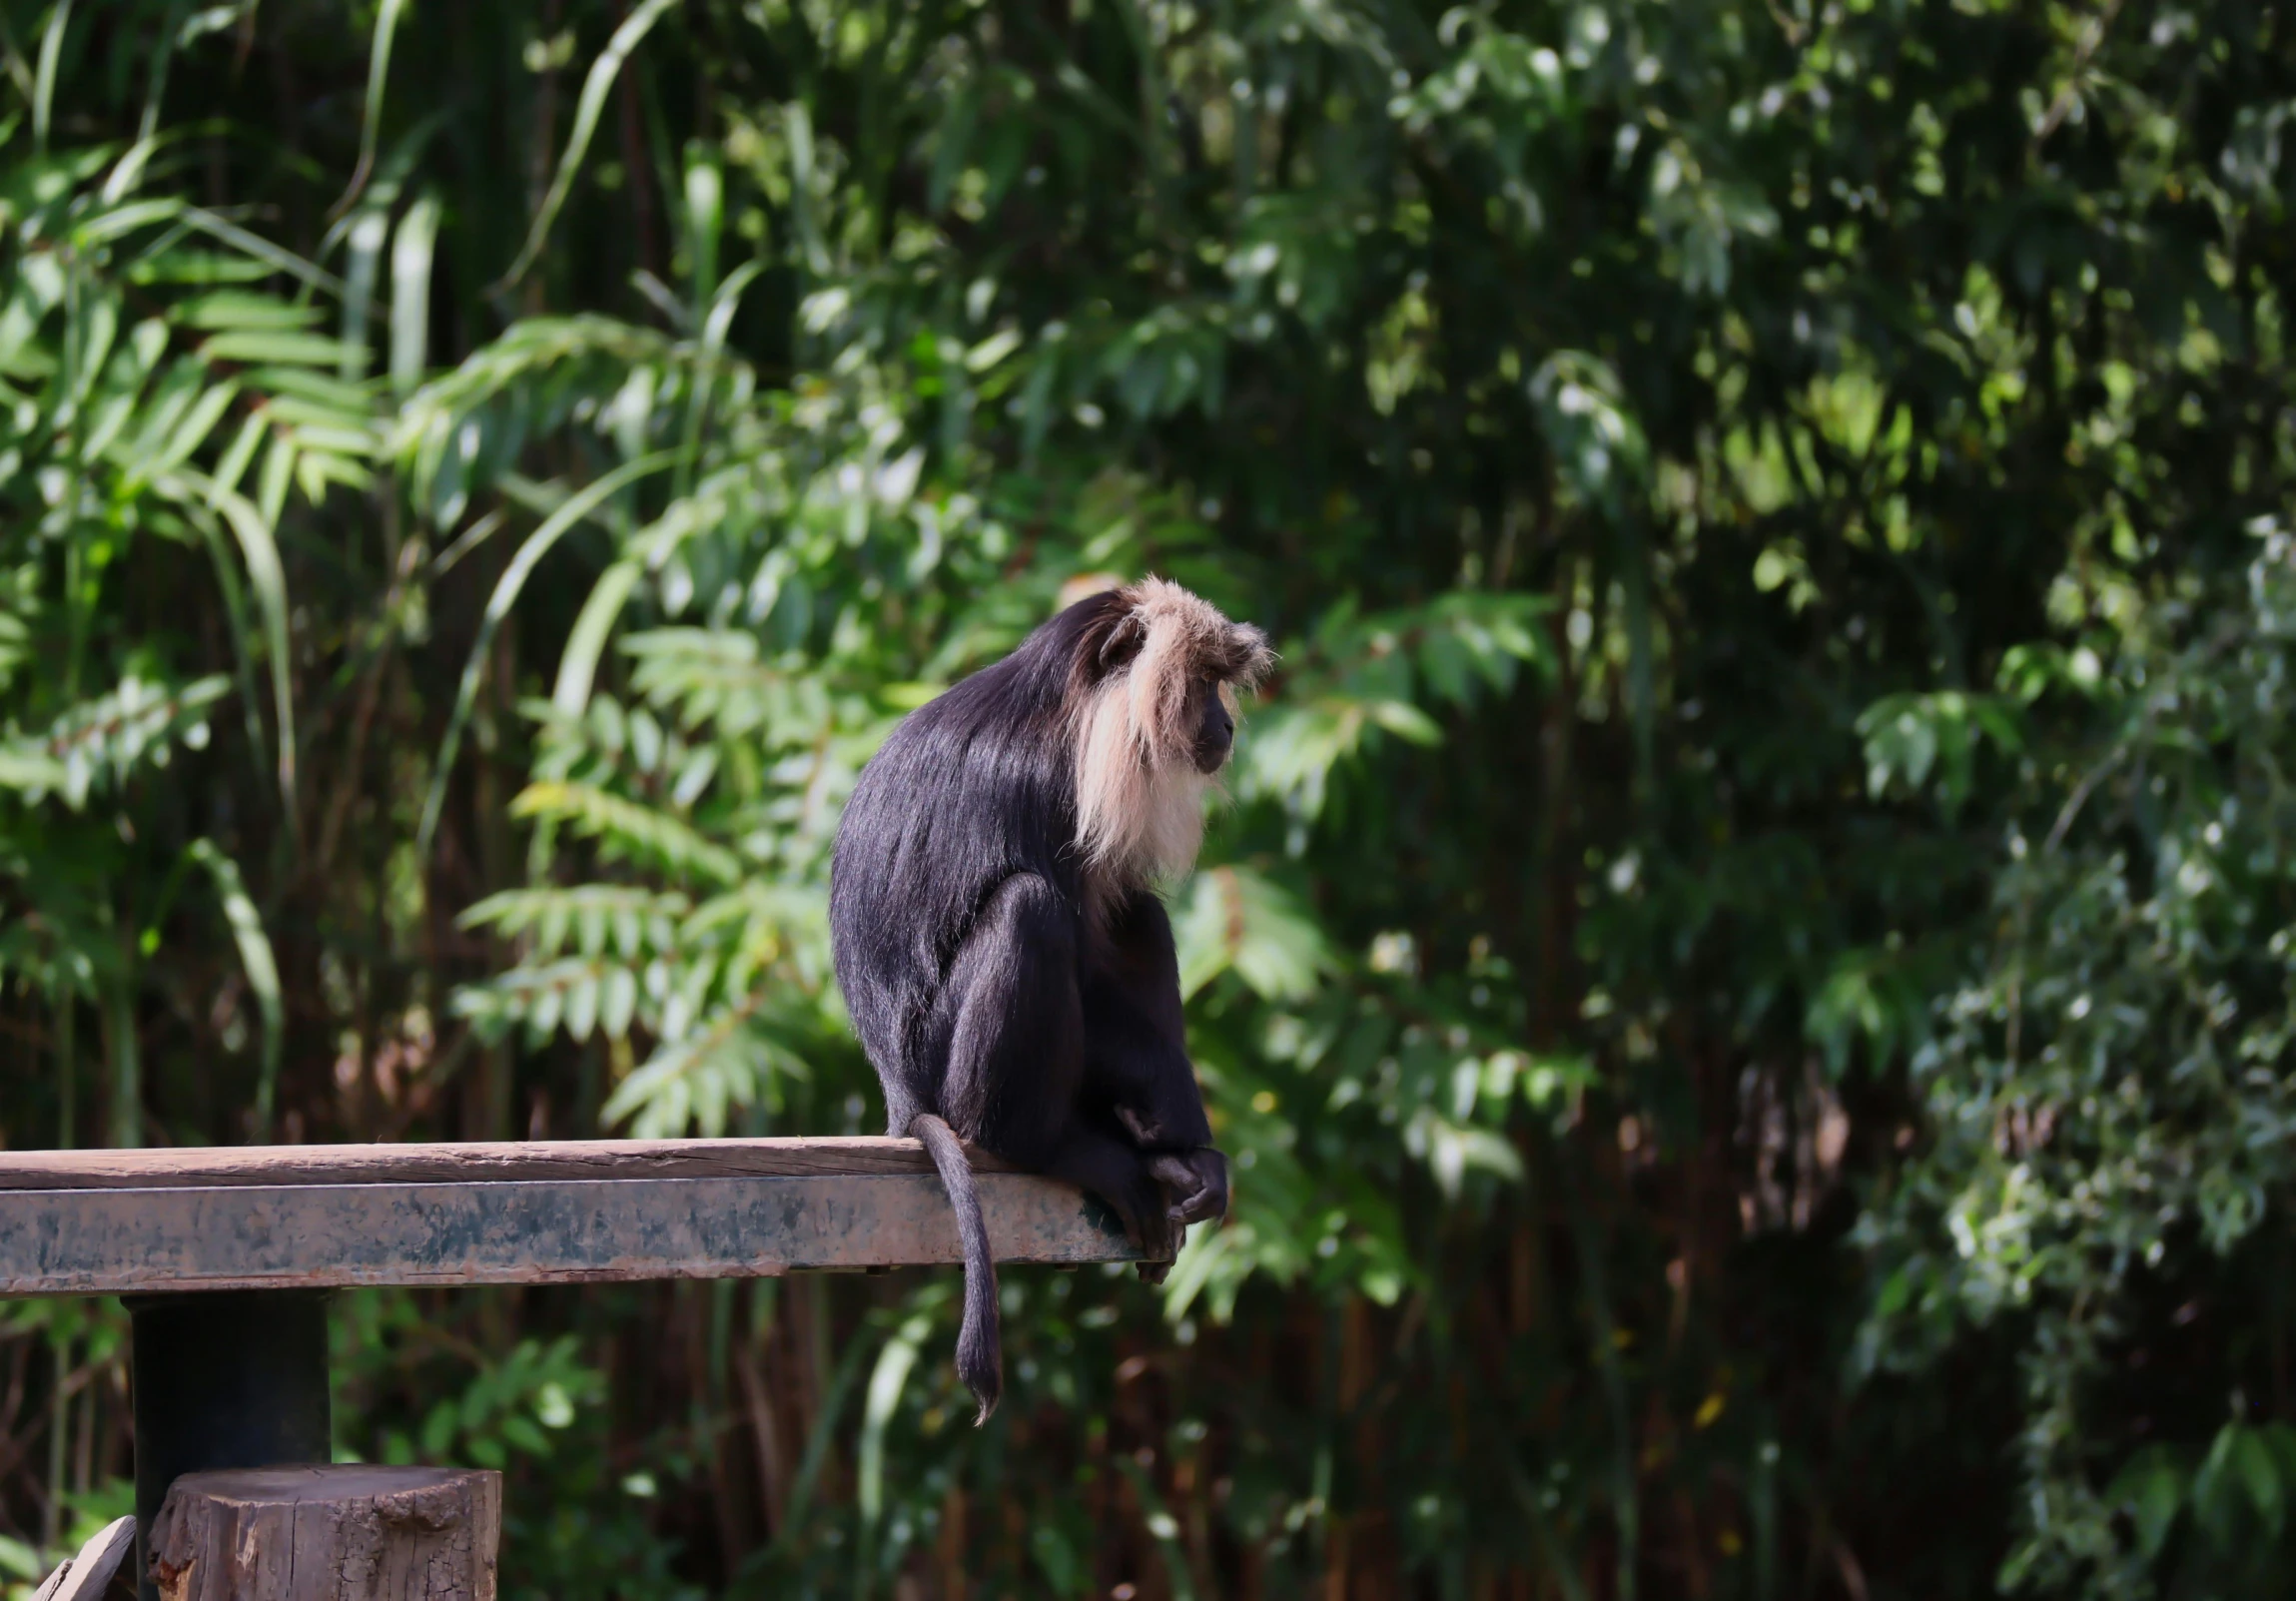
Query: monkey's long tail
979	1347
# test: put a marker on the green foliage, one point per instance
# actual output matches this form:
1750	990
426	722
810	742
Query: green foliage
2108	1090
1744	969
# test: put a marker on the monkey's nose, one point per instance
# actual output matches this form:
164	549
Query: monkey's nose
1214	739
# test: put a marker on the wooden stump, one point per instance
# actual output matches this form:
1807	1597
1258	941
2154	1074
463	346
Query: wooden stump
350	1533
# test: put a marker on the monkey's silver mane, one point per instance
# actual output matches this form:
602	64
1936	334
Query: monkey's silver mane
1139	797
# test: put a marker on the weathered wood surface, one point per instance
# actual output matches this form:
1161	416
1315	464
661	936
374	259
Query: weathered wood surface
87	1574
475	1163
337	1217
353	1533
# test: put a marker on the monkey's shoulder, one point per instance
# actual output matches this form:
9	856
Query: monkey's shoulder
957	753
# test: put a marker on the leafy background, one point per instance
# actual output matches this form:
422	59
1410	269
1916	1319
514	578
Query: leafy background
1746	976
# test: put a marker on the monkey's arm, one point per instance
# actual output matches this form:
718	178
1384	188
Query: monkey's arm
1136	1035
1016	1050
1136	1073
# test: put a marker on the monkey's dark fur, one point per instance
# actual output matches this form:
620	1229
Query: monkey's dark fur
1008	965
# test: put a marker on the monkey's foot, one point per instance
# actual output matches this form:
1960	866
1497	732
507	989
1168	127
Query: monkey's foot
1194	1184
1148	1220
1195	1187
1120	1175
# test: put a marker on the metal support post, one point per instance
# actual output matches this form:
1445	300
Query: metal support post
224	1379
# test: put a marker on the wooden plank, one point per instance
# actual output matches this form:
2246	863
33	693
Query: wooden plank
523	1232
475	1163
88	1575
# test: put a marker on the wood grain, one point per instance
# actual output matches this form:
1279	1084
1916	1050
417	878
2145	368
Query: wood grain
326	1533
473	1163
237	1235
87	1575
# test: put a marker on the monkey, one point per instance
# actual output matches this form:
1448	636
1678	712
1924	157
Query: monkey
996	927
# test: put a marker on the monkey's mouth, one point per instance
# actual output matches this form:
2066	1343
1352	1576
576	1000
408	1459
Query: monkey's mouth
1210	759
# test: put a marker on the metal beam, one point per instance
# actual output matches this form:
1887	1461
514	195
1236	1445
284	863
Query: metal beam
222	1381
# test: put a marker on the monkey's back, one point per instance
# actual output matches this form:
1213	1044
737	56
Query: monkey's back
972	787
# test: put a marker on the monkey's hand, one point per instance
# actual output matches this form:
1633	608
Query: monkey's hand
1194	1183
1195	1187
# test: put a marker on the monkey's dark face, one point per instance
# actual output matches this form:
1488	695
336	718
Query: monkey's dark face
1214	729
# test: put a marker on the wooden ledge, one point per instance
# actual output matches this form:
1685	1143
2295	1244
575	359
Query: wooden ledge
479	1161
547	1211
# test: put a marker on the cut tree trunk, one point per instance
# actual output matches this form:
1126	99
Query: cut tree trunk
349	1533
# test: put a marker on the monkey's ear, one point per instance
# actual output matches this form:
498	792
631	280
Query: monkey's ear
1124	642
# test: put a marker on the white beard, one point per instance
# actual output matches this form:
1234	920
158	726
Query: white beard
1140	812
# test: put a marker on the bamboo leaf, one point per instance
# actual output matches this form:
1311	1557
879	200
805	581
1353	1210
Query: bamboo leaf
275	345
581	1008
256	246
246	643
44	86
886	1383
578	667
411	254
120	220
239	310
573	511
277	479
193	431
129	171
255	955
235	463
588	111
370	122
258	550
367	234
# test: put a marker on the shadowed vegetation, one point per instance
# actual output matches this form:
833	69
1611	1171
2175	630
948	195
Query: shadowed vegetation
1746	975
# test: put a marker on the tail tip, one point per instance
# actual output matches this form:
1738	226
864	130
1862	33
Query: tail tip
984	1380
988	1389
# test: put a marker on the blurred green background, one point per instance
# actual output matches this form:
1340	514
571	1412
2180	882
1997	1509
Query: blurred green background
1747	977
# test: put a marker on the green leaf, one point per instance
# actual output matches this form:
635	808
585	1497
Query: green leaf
255	960
587	110
259	551
258	249
2151	1485
105	740
231	311
1231	917
410	256
885	1384
578	666
44	86
276	345
632	824
538	544
31	771
192	432
617	1001
371	118
2260	1476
